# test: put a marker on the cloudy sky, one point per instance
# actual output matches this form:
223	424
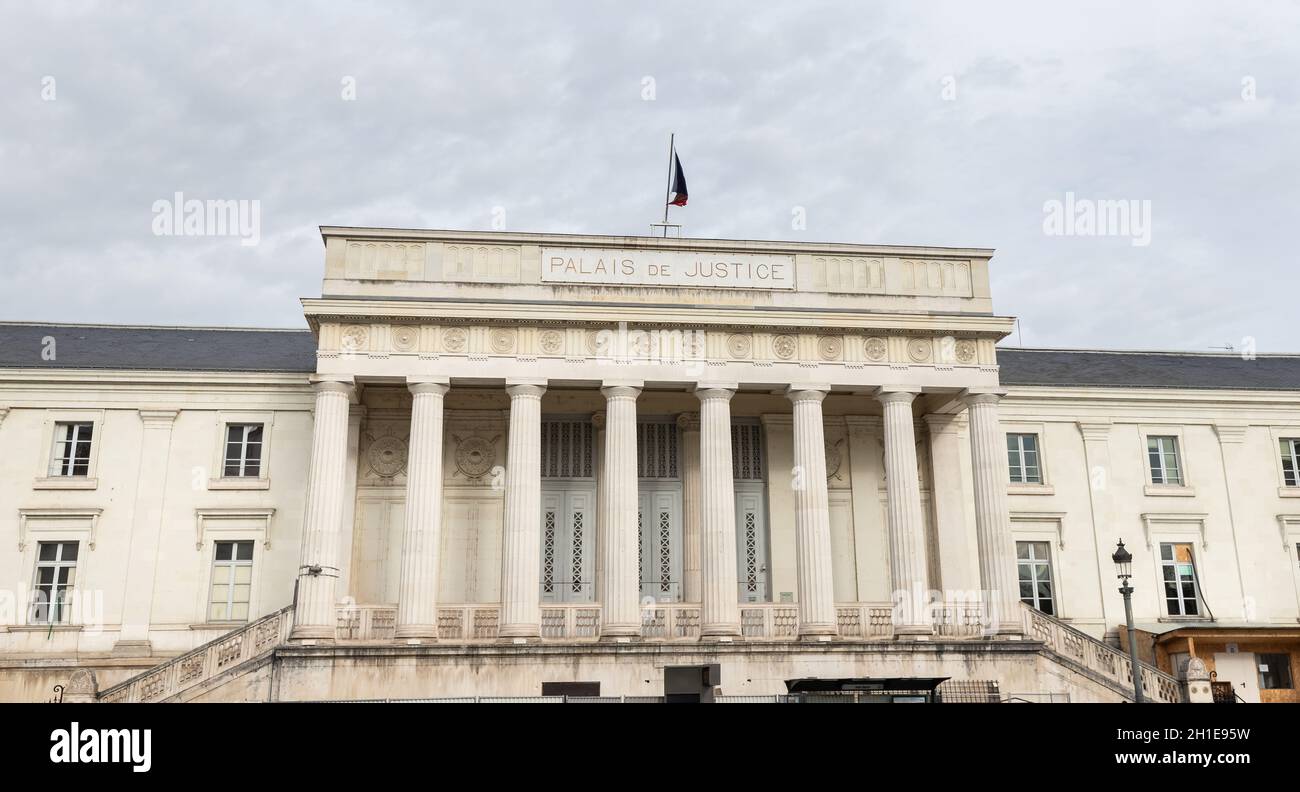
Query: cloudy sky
894	122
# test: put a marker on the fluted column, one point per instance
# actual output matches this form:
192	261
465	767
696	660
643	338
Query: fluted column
689	423
417	594
318	568
997	554
906	527
619	592
720	607
521	596
812	516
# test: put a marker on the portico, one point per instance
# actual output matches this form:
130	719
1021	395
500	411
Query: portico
625	453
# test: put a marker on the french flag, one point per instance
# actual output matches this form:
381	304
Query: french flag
679	183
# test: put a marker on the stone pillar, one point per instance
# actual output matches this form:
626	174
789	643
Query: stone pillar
417	594
812	516
912	616
521	547
318	568
620	611
954	567
146	531
720	606
689	423
997	550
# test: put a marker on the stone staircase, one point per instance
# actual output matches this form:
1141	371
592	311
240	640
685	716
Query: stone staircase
1098	660
211	664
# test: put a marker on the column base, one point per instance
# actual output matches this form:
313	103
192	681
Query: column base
416	634
620	633
518	640
314	633
721	633
818	632
140	648
913	632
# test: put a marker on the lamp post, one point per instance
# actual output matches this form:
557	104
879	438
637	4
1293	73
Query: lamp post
1124	568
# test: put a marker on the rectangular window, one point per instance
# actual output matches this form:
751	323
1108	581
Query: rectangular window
1022	458
243	451
1179	572
1034	562
1290	461
56	569
232	581
71	456
1274	671
1163	455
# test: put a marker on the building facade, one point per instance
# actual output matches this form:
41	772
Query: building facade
505	464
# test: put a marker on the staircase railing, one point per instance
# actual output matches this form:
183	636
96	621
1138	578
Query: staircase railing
202	663
1099	657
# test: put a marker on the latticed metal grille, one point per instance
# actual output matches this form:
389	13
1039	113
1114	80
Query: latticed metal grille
576	553
567	449
747	452
751	552
969	691
548	552
640	547
656	447
665	552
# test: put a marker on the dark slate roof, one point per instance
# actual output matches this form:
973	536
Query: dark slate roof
1090	368
157	348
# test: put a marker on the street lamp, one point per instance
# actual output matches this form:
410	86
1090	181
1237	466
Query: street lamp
1124	570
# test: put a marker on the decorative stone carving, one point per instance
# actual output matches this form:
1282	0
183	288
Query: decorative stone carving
475	455
354	338
455	339
833	458
738	345
919	349
502	340
784	346
551	341
693	343
405	338
965	351
387	456
593	342
830	347
81	684
876	349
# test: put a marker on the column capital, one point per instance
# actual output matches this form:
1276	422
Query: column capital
334	383
435	385
705	392
1230	431
526	388
620	391
889	394
158	419
971	396
809	392
689	421
1097	431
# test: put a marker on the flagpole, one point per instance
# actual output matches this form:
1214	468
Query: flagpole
668	193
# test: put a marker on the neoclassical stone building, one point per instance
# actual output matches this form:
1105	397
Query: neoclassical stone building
509	464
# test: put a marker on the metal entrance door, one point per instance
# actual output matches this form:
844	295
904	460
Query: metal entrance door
659	557
751	542
568	542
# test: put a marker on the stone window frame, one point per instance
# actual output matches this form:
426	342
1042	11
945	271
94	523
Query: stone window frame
55	525
1178	432
50	423
1277	434
217	480
211	526
1044	485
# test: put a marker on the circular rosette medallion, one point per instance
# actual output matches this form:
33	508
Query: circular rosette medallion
387	456
475	456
